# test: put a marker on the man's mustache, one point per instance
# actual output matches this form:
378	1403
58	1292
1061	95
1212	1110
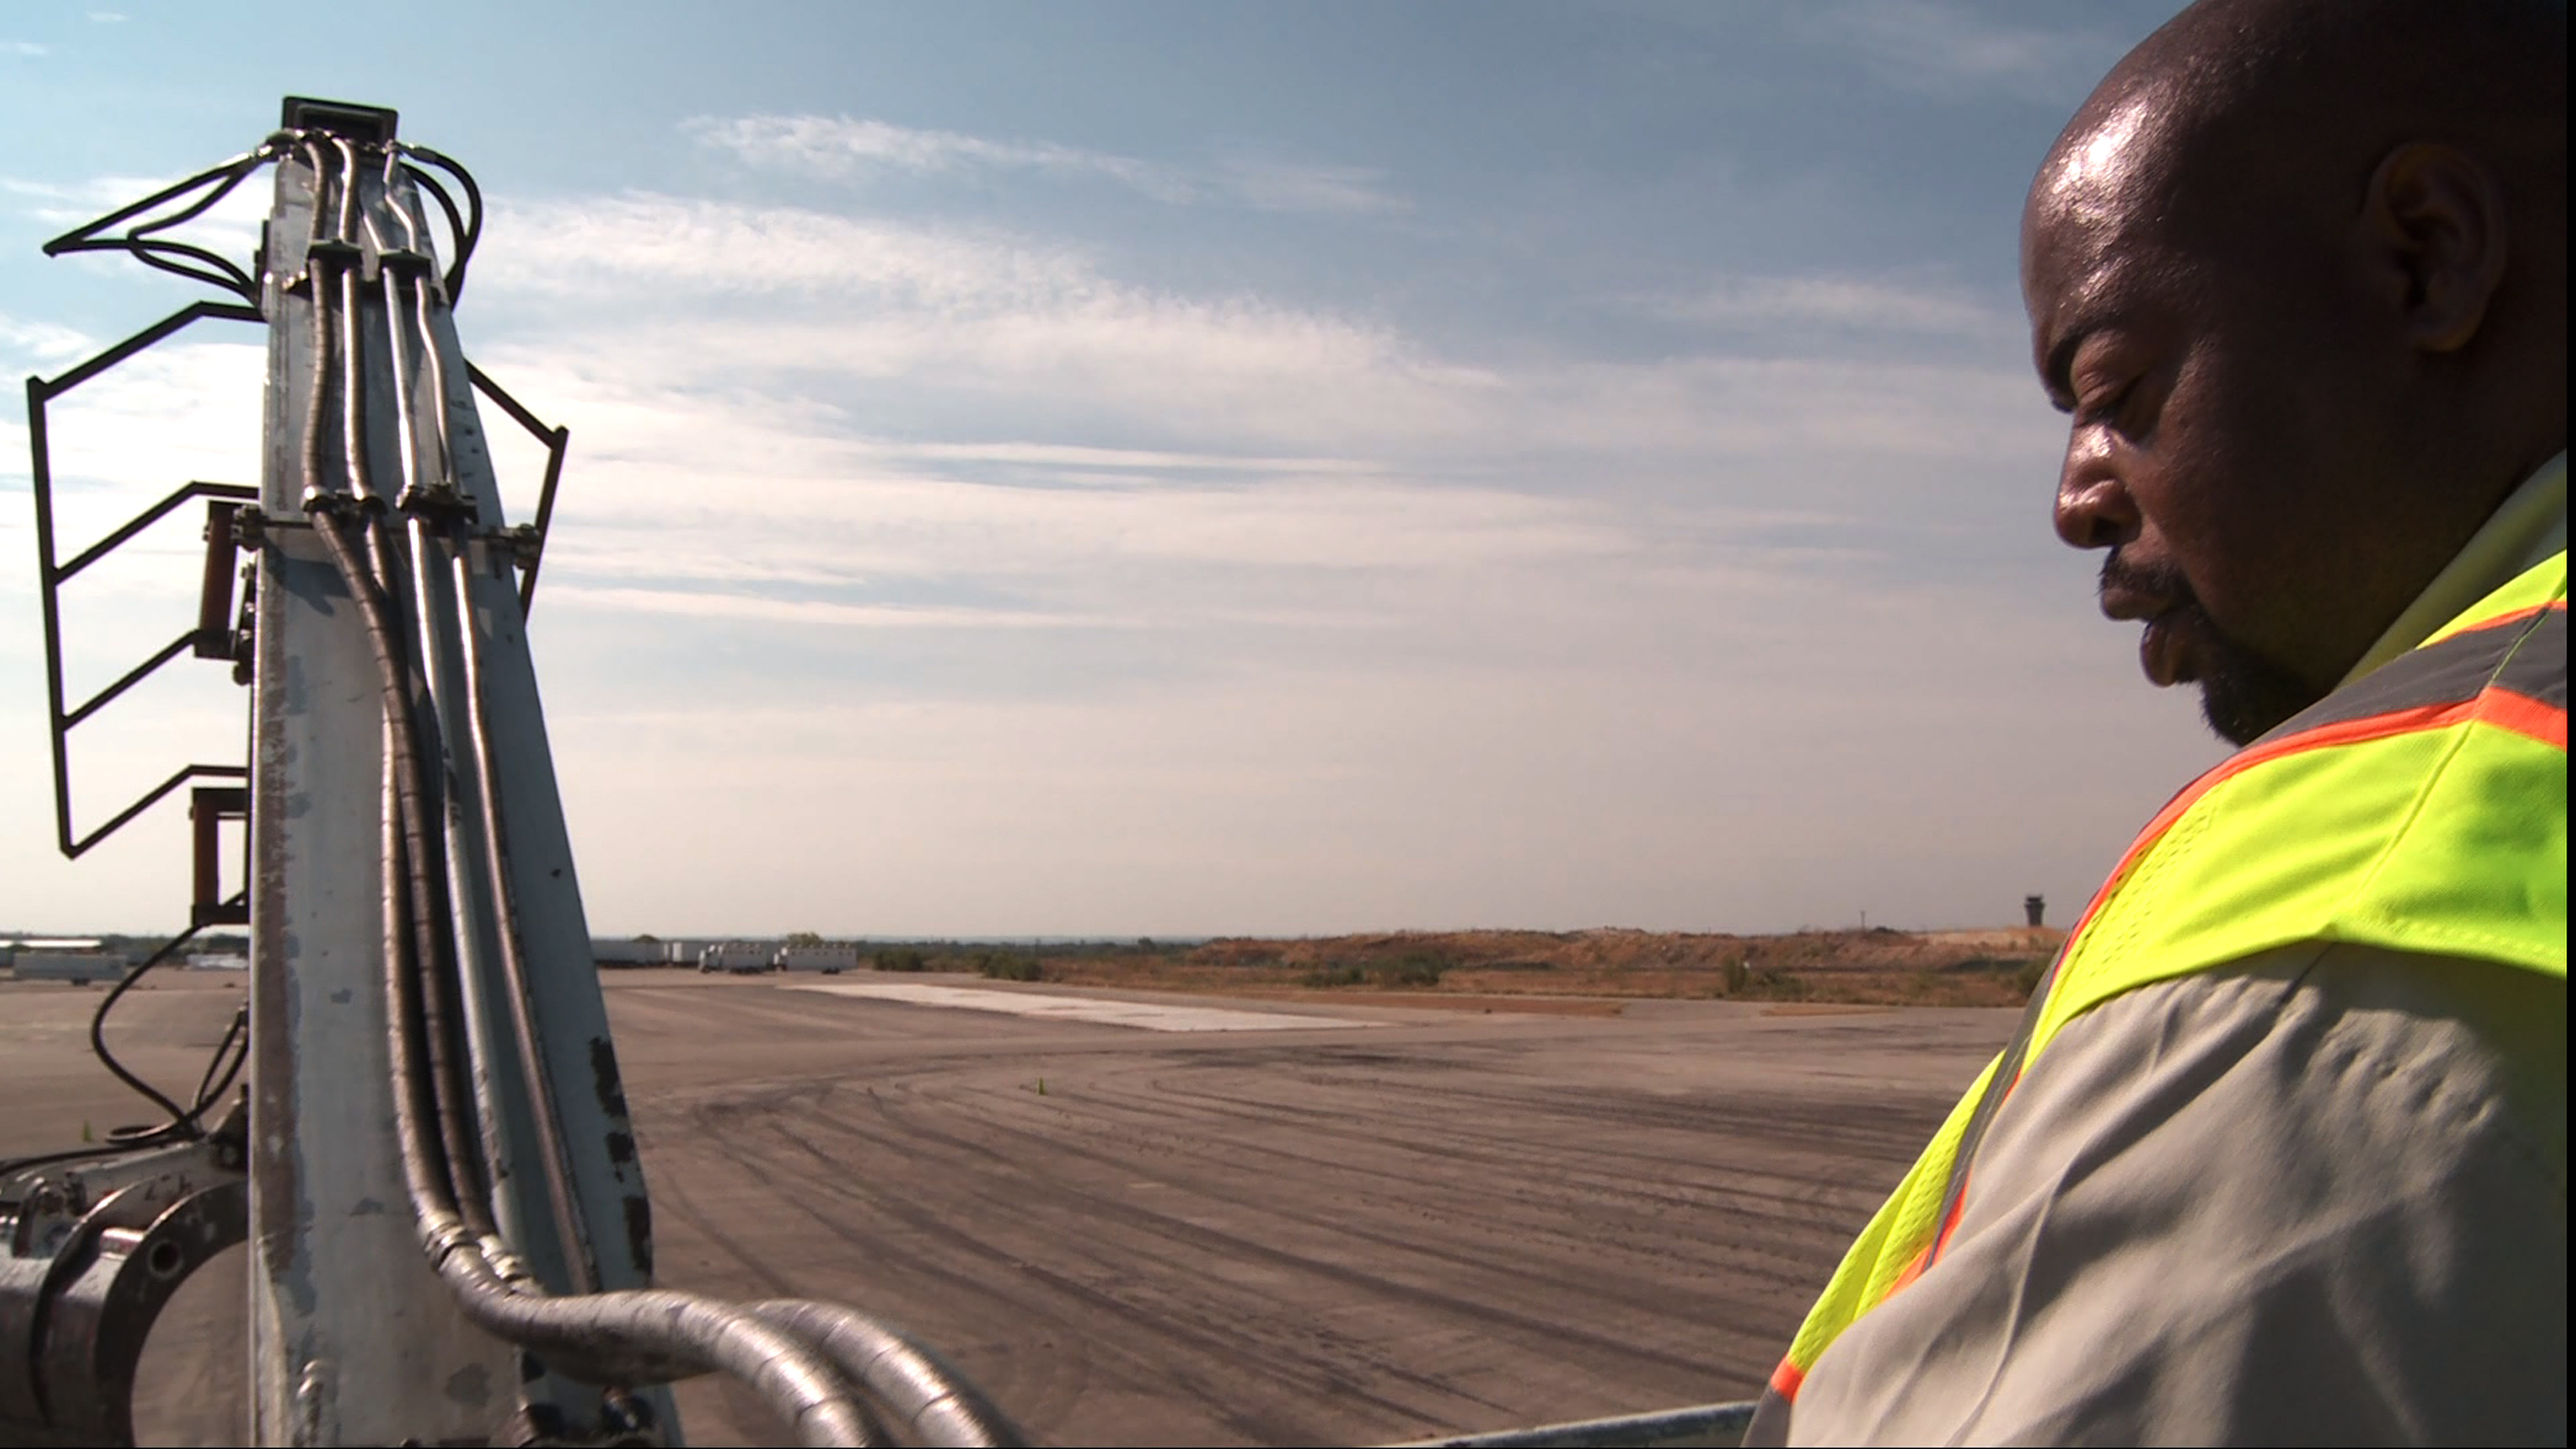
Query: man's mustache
2159	581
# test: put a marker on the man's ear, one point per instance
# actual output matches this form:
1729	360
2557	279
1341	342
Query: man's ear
2434	215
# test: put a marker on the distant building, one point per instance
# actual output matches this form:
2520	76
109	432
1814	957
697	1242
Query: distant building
218	961
2035	907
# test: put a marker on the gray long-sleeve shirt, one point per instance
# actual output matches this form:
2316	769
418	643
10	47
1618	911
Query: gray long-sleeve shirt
2319	1197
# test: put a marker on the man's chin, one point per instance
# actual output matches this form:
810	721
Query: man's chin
2245	698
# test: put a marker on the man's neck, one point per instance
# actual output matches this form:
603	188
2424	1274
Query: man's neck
2530	525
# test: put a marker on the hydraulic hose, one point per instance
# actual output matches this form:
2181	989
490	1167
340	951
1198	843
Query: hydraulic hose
819	1366
610	1338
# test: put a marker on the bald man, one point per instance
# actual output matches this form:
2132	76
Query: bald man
2279	1153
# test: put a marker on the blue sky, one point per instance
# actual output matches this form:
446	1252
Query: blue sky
1180	469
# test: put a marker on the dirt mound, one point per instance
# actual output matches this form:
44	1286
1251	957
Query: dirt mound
1965	968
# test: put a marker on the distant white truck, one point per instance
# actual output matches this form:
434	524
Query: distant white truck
75	966
830	960
739	958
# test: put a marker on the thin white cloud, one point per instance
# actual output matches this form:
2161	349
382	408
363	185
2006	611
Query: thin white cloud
851	148
1085	460
108	17
960	312
1838	304
1953	49
817	613
1271	185
843	146
41	343
596	246
24	47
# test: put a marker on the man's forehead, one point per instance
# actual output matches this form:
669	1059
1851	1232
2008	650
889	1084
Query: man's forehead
2102	162
2081	247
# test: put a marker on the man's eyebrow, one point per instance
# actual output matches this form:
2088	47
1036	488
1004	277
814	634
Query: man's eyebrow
2057	370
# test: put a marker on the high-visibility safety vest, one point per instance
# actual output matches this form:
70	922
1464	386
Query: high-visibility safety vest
2421	808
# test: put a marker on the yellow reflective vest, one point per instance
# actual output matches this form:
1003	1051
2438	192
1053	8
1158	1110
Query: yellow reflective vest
2421	808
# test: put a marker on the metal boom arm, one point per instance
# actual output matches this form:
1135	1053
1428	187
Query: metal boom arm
450	1236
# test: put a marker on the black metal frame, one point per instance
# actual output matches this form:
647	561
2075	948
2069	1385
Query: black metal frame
51	575
556	439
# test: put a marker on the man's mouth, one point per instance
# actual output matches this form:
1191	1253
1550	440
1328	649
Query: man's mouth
2160	649
2163	598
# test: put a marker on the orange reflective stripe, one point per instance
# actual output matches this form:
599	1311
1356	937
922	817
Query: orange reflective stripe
2520	713
1785	1380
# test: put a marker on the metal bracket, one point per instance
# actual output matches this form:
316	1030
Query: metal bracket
531	546
366	125
52	574
209	807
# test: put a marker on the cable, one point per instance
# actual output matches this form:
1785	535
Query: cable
209	1090
175	257
473	229
454	281
181	1118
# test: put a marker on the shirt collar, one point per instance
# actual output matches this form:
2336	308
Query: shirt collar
2528	528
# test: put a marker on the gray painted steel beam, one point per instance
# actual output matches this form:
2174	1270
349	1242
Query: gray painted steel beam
354	1338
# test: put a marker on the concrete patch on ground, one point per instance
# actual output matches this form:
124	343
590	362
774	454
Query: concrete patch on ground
1151	1016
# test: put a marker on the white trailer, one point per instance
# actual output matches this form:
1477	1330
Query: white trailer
76	966
739	958
609	952
831	960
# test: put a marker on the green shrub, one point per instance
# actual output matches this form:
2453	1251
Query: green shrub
1003	966
1413	968
903	959
1779	986
2028	978
1344	975
1733	977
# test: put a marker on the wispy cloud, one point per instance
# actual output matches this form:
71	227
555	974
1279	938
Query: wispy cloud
24	47
1950	49
108	17
848	148
40	343
1275	185
1837	304
815	613
922	310
600	245
843	146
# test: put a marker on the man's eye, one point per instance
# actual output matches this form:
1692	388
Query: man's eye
2103	407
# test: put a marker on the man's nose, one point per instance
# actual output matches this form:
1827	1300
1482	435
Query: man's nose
2094	509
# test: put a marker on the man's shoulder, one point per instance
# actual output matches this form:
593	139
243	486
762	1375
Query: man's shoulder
2327	1040
2313	1195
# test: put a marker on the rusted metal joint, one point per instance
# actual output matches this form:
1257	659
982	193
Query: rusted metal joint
90	1251
439	502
